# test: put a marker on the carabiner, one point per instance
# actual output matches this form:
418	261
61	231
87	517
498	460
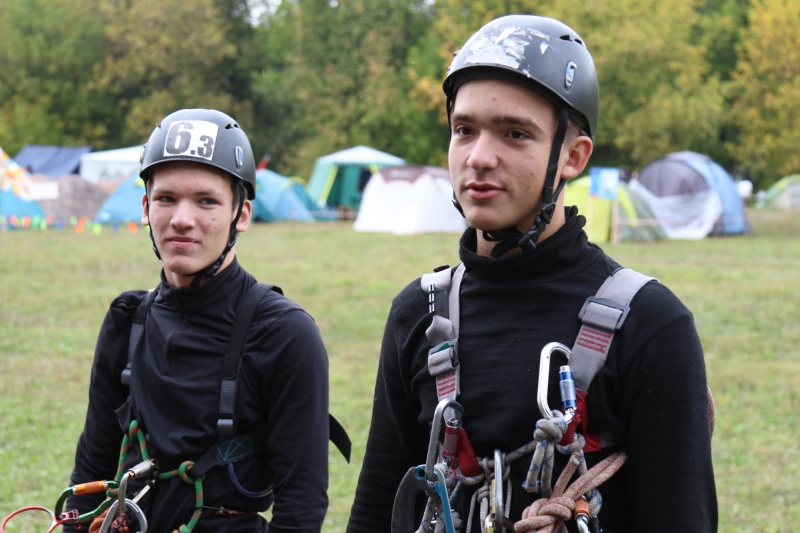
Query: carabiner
440	487
494	522
436	430
567	384
131	506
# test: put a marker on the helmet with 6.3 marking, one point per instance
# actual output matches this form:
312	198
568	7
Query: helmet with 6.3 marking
204	136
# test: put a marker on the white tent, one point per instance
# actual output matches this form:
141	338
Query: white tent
110	166
409	199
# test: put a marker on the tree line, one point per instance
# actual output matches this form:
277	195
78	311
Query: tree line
309	77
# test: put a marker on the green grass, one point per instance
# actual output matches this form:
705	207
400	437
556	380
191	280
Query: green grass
55	287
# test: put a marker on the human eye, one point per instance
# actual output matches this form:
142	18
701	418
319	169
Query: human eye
517	135
462	131
164	198
209	201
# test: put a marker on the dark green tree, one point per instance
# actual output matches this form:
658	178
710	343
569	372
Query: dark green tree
48	49
767	92
337	76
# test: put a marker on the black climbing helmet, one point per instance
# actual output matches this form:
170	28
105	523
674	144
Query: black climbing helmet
538	52
203	136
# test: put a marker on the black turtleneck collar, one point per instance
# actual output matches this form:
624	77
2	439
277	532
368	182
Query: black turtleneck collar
559	256
231	279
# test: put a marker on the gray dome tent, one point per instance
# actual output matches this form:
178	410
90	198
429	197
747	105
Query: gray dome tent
692	196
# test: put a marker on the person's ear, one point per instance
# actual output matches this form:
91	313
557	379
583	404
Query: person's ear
245	217
145	211
578	151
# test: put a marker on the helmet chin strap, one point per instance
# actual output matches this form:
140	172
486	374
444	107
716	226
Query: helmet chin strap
211	270
509	238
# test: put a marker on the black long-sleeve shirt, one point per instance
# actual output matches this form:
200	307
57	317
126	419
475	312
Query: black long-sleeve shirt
651	391
282	400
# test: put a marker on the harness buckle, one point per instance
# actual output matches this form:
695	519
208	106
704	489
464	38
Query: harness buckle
226	426
443	357
624	309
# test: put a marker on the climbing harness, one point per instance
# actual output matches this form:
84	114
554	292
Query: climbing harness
230	448
602	315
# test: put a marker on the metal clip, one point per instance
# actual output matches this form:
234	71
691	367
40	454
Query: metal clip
440	487
436	430
567	397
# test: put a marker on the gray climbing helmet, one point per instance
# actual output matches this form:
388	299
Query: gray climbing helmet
204	136
542	53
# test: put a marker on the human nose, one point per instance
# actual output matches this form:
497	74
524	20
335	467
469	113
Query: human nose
182	215
482	155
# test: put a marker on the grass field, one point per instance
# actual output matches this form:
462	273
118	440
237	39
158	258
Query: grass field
55	287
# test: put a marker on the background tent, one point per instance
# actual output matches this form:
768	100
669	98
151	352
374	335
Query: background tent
52	161
15	201
409	199
282	198
338	179
124	204
12	208
692	196
784	194
634	219
110	166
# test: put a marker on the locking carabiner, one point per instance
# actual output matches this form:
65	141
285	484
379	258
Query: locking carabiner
433	443
567	384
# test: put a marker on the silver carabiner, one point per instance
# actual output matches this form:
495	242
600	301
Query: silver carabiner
131	506
436	429
122	505
499	508
567	384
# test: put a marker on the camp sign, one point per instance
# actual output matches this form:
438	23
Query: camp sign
193	138
604	182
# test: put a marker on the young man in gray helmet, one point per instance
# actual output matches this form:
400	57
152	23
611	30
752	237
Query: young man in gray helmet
223	409
459	403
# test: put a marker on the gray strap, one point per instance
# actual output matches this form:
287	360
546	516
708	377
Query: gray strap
602	315
443	304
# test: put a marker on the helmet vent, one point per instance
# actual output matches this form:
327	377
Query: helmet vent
570	38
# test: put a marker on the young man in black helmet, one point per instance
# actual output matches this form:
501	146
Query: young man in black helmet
225	443
522	100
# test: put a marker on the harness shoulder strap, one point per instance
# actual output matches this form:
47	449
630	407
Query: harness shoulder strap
443	287
603	315
137	329
230	448
226	424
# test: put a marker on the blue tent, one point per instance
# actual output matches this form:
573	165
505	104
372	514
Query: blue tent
12	205
124	204
282	198
52	161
